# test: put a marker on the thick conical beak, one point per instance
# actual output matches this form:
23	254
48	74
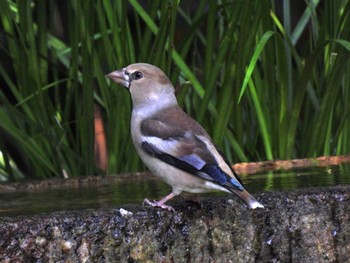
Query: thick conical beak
119	77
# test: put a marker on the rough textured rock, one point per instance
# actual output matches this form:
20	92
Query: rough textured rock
310	225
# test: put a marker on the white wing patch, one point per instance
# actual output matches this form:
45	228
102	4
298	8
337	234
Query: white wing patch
173	147
169	146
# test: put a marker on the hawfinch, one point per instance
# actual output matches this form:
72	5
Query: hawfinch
171	144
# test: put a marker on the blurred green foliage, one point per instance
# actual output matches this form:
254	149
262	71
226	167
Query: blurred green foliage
265	84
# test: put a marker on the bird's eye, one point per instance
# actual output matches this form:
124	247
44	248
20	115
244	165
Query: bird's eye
136	75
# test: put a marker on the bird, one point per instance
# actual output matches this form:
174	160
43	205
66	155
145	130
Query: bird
172	145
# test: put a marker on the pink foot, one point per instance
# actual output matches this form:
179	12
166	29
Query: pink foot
158	204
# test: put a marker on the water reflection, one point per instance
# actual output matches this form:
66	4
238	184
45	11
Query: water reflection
134	190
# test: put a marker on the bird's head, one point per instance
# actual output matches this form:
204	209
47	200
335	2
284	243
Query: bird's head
147	84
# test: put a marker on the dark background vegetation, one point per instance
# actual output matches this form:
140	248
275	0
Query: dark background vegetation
267	79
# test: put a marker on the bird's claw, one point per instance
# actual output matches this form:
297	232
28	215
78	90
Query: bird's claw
158	204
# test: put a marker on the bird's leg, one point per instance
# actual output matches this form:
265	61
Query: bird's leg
161	203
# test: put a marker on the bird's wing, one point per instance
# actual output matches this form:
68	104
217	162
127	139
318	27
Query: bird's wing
187	148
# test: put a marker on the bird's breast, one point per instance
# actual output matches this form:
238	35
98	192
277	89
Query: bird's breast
136	135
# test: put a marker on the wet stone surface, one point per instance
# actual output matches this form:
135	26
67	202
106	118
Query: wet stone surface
309	225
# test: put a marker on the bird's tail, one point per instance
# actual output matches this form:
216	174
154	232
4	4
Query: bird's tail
248	198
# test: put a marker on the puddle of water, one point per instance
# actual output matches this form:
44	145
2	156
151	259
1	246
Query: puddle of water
134	191
299	178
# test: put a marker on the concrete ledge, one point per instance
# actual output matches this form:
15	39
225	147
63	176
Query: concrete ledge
308	225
